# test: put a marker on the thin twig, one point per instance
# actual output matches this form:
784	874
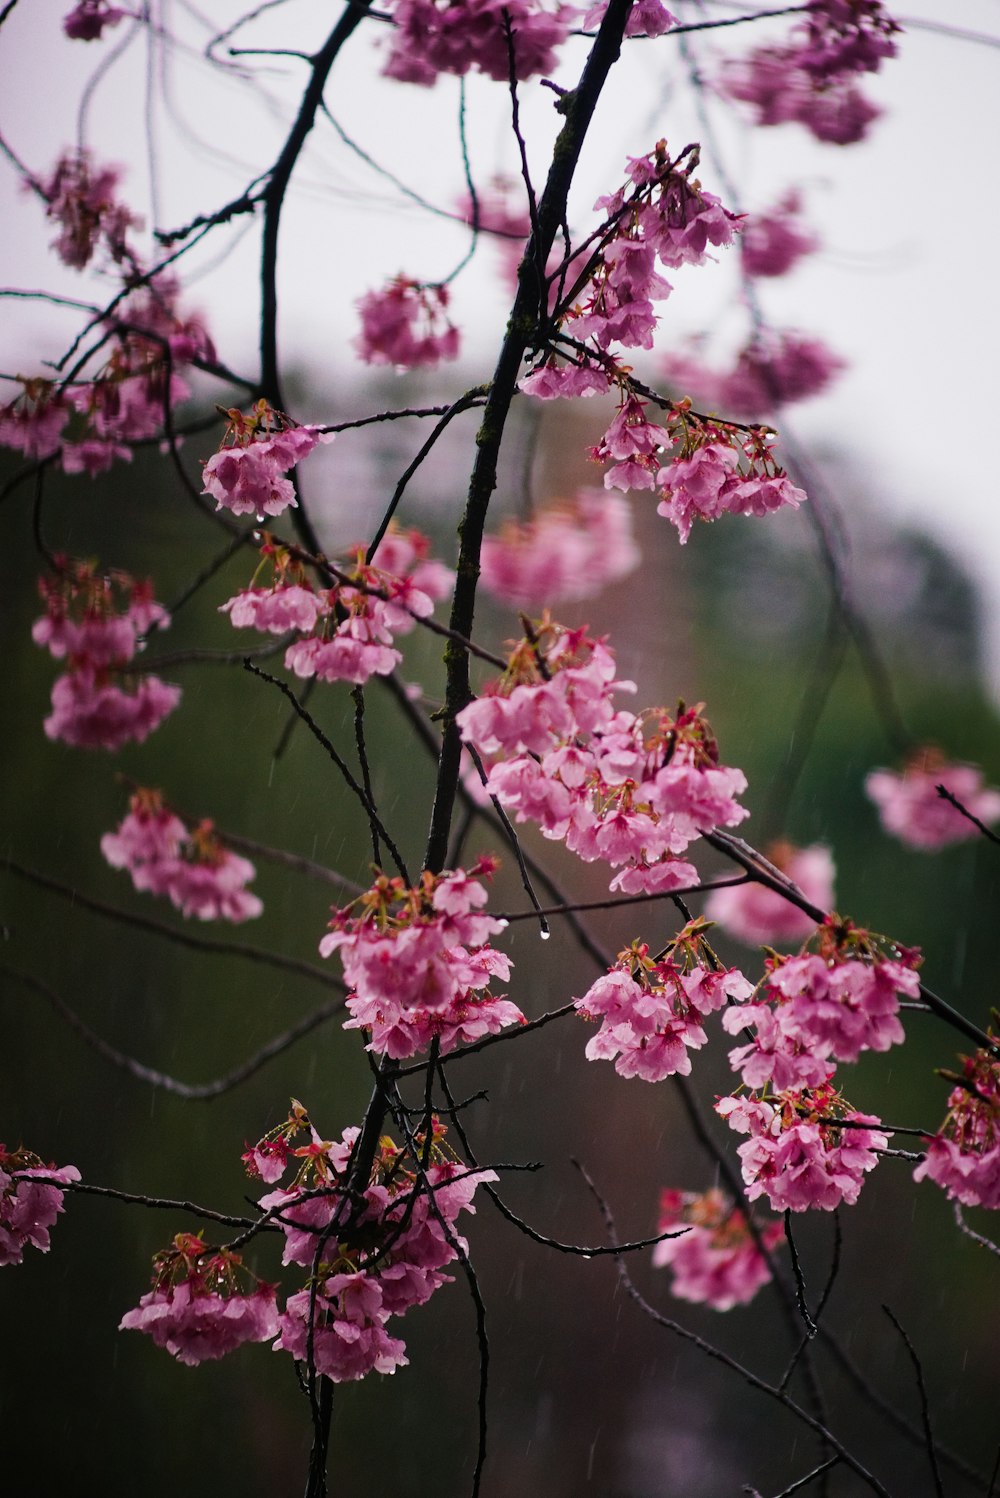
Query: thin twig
925	1413
341	764
195	1091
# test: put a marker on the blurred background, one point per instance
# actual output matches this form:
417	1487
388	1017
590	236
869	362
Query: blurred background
586	1395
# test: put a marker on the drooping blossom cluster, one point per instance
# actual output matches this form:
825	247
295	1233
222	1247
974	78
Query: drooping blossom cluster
702	468
96	621
32	422
80	198
773	241
652	1009
492	37
811	80
373	1253
565	552
419	963
88	18
758	915
30	1201
824	1006
963	1157
406	324
716	472
192	867
198	1308
771	371
716	1262
631	790
347	630
247	474
660	215
911	808
129	399
806	1148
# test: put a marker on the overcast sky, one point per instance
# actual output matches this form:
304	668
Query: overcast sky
905	287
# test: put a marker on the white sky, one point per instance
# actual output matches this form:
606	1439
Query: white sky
905	287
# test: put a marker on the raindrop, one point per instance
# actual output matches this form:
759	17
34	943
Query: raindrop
255	535
259	517
140	646
545	933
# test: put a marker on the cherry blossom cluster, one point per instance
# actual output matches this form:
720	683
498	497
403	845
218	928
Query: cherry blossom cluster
772	242
716	1262
204	1303
810	80
96	622
348	630
129	399
702	468
652	1009
660	215
494	37
631	790
191	867
80	198
88	18
419	963
757	915
911	808
248	473
806	1148
771	371
823	1006
28	1205
565	552
406	324
372	1253
963	1158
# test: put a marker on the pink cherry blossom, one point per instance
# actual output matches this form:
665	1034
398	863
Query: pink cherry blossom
81	200
89	713
247	474
811	1151
30	1201
773	241
432	37
633	791
32	422
349	1337
963	1158
716	1261
88	18
276	610
196	1309
911	809
356	620
651	1010
568	551
555	381
406	324
417	961
192	868
646	18
830	1004
757	915
811	80
785	367
147	842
